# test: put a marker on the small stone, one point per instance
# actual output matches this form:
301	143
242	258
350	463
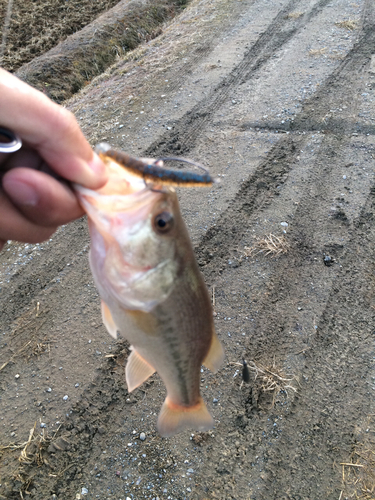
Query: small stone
49	389
65	398
12	434
43	425
328	260
84	491
284	224
17	375
142	436
76	385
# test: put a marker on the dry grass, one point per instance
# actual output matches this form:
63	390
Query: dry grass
294	15
32	449
269	380
26	340
29	28
358	473
317	52
272	379
72	64
33	452
350	24
269	245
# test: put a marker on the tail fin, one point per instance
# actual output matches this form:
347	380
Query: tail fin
175	418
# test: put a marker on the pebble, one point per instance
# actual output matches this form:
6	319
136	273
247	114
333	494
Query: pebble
49	389
17	375
76	385
43	425
284	224
142	436
84	491
65	398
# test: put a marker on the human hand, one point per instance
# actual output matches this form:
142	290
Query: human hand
35	196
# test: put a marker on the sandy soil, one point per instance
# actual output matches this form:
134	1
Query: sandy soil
277	98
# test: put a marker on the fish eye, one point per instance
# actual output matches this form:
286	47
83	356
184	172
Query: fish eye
163	222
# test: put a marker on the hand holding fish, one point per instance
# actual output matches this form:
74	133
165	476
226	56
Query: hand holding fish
35	196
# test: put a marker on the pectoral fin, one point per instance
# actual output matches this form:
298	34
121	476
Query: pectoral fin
137	371
108	320
215	355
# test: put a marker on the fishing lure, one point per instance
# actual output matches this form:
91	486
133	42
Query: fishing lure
157	174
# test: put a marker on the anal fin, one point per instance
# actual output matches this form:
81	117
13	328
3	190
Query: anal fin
137	371
215	356
108	320
174	418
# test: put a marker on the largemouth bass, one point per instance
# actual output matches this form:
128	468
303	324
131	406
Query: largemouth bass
152	291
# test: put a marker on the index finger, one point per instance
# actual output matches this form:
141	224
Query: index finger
51	130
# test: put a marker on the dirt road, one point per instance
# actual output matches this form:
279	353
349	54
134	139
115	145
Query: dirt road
277	98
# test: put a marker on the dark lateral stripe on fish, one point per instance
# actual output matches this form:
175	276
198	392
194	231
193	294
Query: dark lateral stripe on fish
153	173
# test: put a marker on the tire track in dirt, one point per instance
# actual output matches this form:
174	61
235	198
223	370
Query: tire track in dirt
342	343
342	349
255	194
333	93
186	131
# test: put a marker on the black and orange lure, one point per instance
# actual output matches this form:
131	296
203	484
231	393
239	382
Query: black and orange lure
156	174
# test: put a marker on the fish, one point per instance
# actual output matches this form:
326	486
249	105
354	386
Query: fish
152	291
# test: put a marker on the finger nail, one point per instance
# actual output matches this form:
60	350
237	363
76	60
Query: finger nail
21	193
97	165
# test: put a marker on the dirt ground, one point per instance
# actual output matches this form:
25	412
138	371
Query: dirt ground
278	99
